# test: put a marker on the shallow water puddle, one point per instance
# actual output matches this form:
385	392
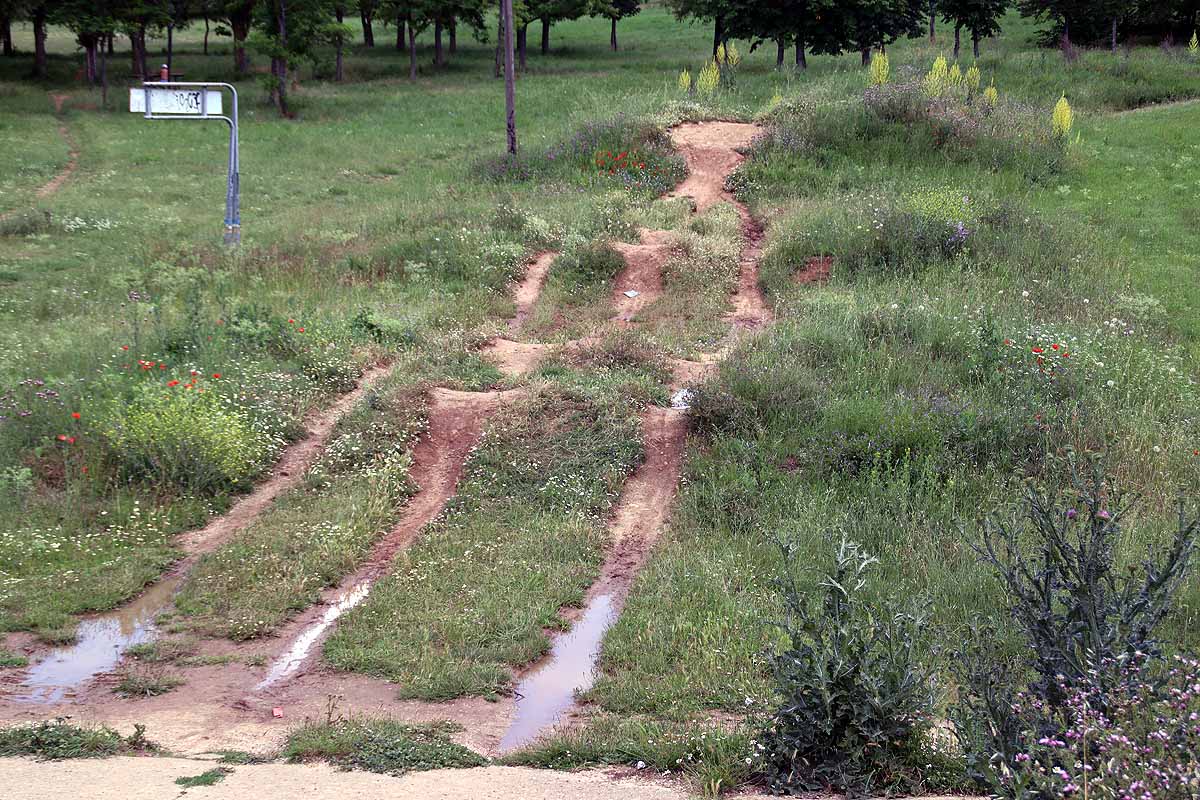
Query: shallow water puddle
291	660
99	644
549	691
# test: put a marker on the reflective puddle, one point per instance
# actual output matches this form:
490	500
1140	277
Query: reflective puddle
291	660
549	691
99	644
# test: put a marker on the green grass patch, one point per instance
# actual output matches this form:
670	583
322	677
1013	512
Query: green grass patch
206	778
59	740
380	745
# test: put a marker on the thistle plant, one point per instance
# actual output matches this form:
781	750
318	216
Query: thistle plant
936	80
685	82
709	79
880	69
972	80
1062	120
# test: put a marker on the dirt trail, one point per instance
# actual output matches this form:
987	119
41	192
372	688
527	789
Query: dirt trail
642	277
55	183
455	425
526	292
514	358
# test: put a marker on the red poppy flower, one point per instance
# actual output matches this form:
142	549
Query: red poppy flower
1053	347
216	376
62	437
301	330
172	383
291	322
124	347
1037	350
1008	341
75	415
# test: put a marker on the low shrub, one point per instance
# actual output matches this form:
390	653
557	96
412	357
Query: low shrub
380	745
192	440
58	740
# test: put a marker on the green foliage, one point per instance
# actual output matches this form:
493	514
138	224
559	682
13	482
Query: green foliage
193	440
10	659
380	745
58	740
856	699
206	778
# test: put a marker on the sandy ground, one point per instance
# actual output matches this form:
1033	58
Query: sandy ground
128	778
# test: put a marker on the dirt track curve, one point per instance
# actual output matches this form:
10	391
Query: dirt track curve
230	706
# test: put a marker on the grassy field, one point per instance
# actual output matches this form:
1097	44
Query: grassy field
896	404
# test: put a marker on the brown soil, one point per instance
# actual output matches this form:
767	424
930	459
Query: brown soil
642	274
514	358
711	152
645	502
526	292
686	373
816	270
750	309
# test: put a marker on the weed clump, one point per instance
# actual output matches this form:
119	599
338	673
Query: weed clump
56	740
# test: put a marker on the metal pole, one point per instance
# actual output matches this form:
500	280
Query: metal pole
233	213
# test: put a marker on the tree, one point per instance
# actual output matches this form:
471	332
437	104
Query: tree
9	10
718	12
551	11
289	31
1070	17
619	9
240	15
980	17
366	13
510	90
39	14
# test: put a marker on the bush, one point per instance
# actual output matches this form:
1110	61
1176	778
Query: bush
192	440
856	702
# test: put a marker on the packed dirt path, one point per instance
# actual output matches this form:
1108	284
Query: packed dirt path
128	778
56	182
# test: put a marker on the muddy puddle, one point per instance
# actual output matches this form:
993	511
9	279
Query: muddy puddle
100	642
294	657
545	694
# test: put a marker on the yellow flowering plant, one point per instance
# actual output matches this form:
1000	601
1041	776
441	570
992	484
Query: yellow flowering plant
937	78
709	79
880	70
1063	119
685	82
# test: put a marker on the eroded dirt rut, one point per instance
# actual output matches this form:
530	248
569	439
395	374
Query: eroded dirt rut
55	183
547	690
231	705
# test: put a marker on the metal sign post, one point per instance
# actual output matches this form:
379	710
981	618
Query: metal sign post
175	100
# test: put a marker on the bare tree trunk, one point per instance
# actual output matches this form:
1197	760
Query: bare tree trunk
90	42
240	25
401	45
339	13
281	63
933	23
6	36
40	66
510	80
522	48
453	36
170	47
957	40
103	76
137	47
438	59
412	51
612	39
718	33
545	36
111	44
1114	34
206	35
338	72
780	52
975	44
866	56
801	56
368	29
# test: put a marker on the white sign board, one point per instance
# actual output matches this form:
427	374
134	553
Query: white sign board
188	102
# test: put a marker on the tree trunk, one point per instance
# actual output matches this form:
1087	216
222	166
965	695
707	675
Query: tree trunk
40	66
281	64
866	56
975	44
111	44
90	42
412	51
401	44
522	38
6	36
453	36
338	72
439	57
240	25
545	36
103	75
170	48
1114	34
612	39
932	23
780	52
206	36
957	40
718	33
339	13
368	29
801	56
137	52
510	80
